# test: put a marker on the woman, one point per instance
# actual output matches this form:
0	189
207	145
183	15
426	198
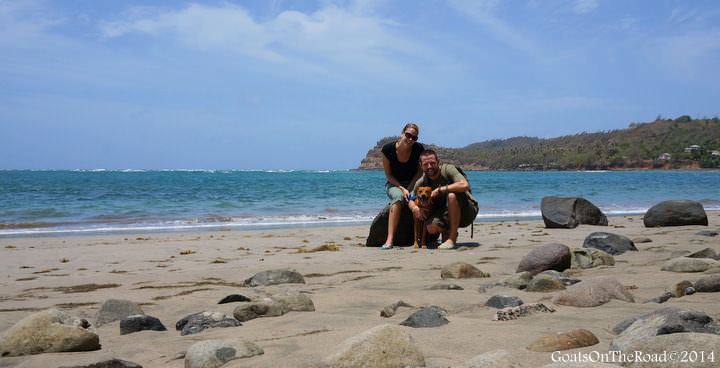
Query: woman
402	169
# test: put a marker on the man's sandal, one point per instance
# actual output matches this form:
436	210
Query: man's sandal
446	246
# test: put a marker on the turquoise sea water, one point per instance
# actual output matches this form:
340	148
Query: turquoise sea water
77	202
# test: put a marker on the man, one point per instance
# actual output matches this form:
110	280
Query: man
453	203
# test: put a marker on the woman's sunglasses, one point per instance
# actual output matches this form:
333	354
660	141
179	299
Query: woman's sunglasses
410	136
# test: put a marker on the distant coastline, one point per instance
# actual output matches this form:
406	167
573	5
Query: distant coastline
682	144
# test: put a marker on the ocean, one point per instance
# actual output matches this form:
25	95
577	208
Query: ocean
73	202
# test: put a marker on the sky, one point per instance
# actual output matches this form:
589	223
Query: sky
313	85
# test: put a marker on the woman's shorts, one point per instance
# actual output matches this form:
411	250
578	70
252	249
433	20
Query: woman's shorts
394	193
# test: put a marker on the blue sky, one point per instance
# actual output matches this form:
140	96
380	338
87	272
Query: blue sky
264	84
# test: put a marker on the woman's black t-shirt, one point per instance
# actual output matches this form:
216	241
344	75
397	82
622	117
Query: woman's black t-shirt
403	171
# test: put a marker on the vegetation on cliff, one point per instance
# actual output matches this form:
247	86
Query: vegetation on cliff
663	144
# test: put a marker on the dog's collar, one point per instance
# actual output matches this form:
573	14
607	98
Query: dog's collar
413	198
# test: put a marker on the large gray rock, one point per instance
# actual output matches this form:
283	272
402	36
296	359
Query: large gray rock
709	284
676	213
385	346
197	322
275	277
593	292
685	264
49	331
461	270
215	353
546	257
695	350
662	321
610	243
116	309
140	322
568	213
403	233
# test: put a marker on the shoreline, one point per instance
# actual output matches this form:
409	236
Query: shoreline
172	275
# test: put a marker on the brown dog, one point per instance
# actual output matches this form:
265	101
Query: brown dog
423	201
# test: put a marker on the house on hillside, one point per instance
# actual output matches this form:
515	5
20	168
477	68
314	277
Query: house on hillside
665	157
694	147
715	153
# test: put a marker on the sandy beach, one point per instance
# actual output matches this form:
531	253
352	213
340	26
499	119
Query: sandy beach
172	275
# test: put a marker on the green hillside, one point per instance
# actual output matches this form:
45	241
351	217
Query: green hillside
639	146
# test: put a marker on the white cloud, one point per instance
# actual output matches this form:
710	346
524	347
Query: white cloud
585	6
331	40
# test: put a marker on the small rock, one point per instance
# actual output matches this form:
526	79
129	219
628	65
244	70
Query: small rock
273	306
593	292
491	359
234	298
707	233
642	239
511	313
389	311
703	253
215	353
502	301
680	289
709	284
381	346
445	287
660	299
590	257
140	322
545	283
275	277
610	243
546	257
116	309
460	270
685	264
564	340
197	322
427	317
112	363
518	280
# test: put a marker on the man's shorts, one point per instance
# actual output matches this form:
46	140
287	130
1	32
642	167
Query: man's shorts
468	212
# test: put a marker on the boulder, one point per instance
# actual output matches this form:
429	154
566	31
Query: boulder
676	213
568	213
709	284
140	322
589	258
431	316
573	339
215	353
382	346
663	321
275	277
546	257
116	309
703	253
197	322
49	331
460	270
403	234
685	264
609	243
694	350
593	292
